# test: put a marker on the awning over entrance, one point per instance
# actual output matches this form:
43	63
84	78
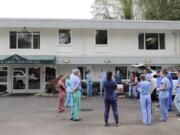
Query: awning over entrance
27	59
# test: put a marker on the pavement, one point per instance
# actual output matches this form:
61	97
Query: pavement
32	115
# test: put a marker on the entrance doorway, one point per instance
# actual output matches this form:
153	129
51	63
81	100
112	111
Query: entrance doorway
26	79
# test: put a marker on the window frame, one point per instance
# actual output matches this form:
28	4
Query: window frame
64	45
95	37
159	42
32	40
119	66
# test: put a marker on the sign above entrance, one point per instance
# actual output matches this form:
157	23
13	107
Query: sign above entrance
29	59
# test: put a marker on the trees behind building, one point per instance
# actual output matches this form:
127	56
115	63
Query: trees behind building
137	9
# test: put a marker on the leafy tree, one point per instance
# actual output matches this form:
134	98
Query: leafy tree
113	9
137	9
127	8
160	9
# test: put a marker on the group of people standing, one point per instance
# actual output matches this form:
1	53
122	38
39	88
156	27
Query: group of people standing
164	88
69	86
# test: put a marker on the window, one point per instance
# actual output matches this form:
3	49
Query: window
156	68
64	36
101	37
82	71
50	73
151	41
3	78
122	70
24	40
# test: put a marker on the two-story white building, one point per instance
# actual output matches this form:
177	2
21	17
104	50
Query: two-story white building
34	51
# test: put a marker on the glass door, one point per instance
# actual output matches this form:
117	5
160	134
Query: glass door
19	79
34	78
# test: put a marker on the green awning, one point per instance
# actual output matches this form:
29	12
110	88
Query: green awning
27	59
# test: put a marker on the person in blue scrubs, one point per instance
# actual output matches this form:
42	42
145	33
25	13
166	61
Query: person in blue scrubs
177	97
158	82
102	78
110	99
68	102
164	95
144	87
169	76
118	77
147	75
133	85
88	83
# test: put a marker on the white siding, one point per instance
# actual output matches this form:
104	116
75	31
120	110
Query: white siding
120	43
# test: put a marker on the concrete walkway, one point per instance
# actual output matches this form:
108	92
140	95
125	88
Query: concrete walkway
32	115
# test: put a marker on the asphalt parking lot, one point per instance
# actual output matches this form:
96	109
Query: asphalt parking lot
31	115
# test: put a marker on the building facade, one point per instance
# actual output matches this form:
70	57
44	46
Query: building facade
34	51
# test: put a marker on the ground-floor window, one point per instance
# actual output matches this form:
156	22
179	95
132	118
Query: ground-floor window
50	73
3	78
156	68
82	71
123	71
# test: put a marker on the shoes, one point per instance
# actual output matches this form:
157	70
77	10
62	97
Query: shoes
117	124
61	111
163	120
77	119
71	118
106	124
178	114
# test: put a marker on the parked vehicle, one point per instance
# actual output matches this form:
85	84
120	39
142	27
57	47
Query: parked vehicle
139	68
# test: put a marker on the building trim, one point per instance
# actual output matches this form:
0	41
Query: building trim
117	60
88	24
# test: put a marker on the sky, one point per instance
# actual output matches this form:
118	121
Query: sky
68	9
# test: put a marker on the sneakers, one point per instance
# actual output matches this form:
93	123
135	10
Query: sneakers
178	114
117	124
163	120
77	119
106	124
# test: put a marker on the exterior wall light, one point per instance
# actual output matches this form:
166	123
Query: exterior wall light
66	61
107	61
147	61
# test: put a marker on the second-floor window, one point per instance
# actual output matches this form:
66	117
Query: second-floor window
64	37
24	40
101	37
151	41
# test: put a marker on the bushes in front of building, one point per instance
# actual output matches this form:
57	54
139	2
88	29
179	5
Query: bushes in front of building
95	87
51	87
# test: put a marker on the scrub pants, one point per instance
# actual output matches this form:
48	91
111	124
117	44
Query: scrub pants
132	90
61	101
88	88
163	102
113	104
145	101
170	100
101	88
75	108
177	102
68	99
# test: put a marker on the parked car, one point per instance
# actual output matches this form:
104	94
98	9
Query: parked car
20	79
139	68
